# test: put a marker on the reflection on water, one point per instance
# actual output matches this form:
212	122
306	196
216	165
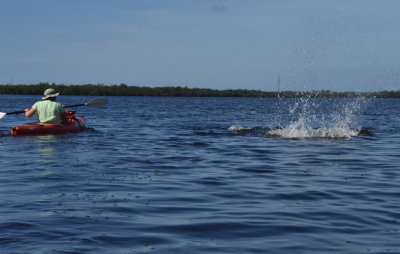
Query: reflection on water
47	153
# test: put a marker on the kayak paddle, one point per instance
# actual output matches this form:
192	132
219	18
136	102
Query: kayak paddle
94	103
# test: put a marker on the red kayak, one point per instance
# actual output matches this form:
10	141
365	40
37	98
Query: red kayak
75	124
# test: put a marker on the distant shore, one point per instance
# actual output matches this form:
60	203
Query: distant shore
178	91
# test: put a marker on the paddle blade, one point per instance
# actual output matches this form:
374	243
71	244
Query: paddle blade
2	114
98	102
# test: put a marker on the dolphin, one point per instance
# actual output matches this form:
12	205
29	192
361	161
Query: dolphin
237	128
365	132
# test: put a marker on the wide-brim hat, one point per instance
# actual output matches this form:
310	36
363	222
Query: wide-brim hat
50	92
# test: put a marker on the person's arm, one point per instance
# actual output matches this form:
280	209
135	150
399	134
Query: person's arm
29	112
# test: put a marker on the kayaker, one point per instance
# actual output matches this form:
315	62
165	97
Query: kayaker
48	110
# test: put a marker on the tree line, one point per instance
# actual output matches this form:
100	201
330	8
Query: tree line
178	91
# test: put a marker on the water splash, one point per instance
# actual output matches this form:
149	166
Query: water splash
309	117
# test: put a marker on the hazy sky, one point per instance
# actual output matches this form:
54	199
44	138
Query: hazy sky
221	44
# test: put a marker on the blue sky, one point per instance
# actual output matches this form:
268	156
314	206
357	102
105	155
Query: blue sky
220	44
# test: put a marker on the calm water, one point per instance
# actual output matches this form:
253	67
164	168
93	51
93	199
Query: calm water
165	175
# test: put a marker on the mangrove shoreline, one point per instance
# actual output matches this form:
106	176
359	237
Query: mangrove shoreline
178	91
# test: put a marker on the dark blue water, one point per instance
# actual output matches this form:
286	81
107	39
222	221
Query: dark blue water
165	175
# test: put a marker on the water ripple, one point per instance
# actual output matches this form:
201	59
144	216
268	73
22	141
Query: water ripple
169	177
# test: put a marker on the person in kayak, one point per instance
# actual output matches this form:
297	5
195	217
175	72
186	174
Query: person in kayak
48	110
